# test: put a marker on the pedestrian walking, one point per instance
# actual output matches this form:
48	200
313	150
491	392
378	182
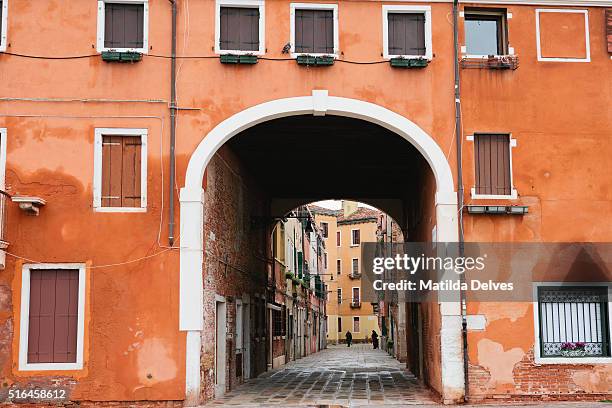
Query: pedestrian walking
374	339
349	338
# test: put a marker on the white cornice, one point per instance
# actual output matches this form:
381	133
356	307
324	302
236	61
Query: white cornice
567	3
556	3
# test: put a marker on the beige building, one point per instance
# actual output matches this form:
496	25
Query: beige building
343	231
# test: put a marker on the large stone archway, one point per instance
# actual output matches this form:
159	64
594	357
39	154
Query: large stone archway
319	103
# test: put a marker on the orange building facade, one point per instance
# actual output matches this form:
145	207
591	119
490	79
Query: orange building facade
141	325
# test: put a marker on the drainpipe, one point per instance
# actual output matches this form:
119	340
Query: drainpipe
172	126
458	140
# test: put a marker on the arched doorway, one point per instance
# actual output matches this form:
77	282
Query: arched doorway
318	104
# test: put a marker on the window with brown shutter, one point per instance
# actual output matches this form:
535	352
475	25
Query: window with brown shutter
123	25
53	316
492	158
239	29
314	31
324	229
121	171
609	28
406	33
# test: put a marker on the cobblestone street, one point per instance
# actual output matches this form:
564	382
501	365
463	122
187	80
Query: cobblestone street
338	375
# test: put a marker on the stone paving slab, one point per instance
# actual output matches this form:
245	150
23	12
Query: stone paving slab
349	377
337	376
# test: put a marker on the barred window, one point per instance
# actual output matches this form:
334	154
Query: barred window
278	322
574	321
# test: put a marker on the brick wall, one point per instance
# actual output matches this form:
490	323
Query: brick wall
536	382
235	261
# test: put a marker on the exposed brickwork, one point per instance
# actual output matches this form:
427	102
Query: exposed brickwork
551	382
234	263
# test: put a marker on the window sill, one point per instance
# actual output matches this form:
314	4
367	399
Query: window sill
51	367
130	50
572	360
120	209
294	54
239	52
512	196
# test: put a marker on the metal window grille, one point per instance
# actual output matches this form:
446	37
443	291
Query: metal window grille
571	315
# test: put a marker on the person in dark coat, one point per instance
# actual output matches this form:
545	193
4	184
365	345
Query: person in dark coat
349	338
374	339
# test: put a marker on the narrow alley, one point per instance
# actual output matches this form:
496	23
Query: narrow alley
338	375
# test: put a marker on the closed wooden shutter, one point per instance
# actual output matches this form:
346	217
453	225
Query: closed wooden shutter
53	316
121	171
492	153
239	29
124	25
355	295
406	33
609	28
314	31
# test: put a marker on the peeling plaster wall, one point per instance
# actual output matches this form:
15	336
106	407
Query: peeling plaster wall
502	363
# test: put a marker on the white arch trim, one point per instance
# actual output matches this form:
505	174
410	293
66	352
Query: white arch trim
191	317
319	104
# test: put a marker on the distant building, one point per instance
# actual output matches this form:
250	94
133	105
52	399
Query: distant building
344	230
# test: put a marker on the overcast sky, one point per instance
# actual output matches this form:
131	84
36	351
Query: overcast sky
336	204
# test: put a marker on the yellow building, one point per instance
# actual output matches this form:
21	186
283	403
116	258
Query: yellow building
343	231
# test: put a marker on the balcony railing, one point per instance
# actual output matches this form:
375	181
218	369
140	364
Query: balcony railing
355	275
355	304
5	198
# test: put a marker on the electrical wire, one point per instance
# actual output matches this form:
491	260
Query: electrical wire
183	57
99	266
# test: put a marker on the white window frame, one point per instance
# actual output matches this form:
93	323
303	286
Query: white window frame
586	35
513	193
321	224
4	22
25	319
338	239
338	262
536	321
353	244
508	16
97	181
426	11
313	6
353	267
258	4
356	319
353	293
3	136
145	26
339	292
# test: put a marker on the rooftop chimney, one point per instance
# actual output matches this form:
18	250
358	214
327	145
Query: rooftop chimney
348	207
